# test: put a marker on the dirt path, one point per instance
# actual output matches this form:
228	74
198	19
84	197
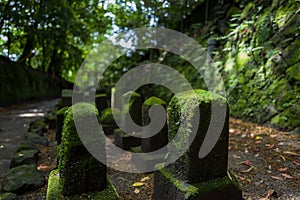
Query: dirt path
14	122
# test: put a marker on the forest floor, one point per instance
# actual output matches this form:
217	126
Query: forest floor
266	162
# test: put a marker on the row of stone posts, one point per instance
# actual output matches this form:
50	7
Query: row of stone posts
188	177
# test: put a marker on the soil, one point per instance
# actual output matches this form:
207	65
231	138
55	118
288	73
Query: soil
266	162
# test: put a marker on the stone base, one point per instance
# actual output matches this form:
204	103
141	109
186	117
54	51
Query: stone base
125	141
54	191
168	187
145	162
109	128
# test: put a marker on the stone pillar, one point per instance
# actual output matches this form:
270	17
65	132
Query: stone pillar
132	108
191	177
160	139
101	102
153	143
108	121
60	116
66	97
79	172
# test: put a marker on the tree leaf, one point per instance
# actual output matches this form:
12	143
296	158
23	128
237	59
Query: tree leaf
145	179
138	184
287	176
277	178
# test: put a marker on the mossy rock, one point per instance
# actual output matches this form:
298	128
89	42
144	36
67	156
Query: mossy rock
80	172
54	191
26	146
28	157
8	196
34	138
23	179
107	116
38	126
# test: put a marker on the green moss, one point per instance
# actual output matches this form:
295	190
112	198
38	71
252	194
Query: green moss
62	111
202	189
247	10
54	191
293	72
107	115
293	52
154	101
242	59
233	11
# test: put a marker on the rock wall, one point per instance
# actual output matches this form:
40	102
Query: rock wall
20	84
260	61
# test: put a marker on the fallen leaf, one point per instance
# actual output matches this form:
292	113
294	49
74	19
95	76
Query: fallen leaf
145	179
296	162
246	162
258	137
138	184
241	178
277	178
248	170
235	156
283	158
283	169
291	153
231	130
287	176
136	191
273	135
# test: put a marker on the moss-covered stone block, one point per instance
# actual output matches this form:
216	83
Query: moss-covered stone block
189	167
108	114
66	97
160	139
125	141
60	115
168	186
132	107
54	191
79	171
102	102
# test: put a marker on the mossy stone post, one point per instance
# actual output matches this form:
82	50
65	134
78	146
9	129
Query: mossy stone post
101	102
191	177
160	139
108	121
132	104
60	115
132	108
66	97
78	171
